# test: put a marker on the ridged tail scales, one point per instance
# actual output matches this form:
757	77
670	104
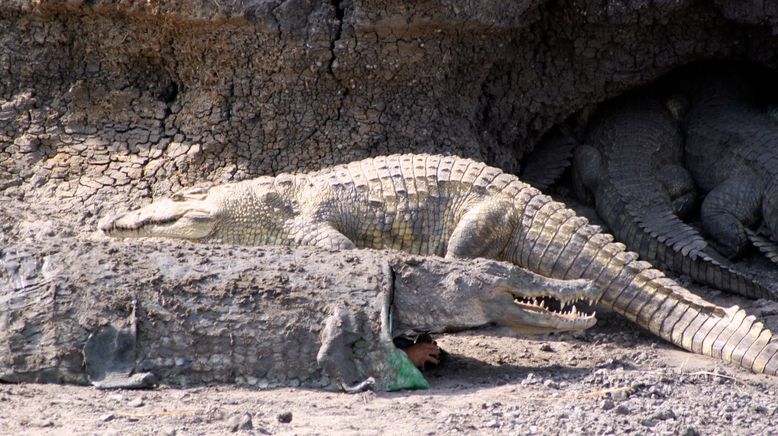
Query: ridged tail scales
697	264
553	241
642	191
764	244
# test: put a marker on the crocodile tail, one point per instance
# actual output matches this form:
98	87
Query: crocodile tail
645	296
553	241
764	244
659	236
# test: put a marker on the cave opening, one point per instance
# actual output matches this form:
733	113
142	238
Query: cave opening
680	169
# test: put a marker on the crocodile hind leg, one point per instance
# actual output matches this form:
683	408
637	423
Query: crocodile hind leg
587	167
728	209
322	235
483	231
679	186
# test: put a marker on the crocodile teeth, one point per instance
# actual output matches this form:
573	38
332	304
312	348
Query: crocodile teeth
562	307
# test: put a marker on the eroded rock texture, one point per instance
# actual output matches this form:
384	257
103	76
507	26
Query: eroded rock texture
192	316
113	102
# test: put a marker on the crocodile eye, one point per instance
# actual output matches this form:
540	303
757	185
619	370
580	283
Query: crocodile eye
199	216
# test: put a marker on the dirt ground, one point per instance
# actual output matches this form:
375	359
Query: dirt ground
612	379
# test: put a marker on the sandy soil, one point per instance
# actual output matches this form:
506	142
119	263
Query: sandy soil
612	379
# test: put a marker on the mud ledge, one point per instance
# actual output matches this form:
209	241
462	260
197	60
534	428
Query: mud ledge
179	92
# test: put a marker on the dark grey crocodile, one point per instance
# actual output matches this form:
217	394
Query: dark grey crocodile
632	172
458	208
120	315
549	159
732	153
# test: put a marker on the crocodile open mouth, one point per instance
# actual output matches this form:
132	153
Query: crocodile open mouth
573	308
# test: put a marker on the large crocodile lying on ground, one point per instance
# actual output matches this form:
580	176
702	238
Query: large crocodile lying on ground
458	208
98	312
732	152
631	169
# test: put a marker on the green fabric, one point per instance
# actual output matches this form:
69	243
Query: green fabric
407	376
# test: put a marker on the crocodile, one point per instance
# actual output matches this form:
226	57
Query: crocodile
456	208
298	318
732	149
631	170
549	159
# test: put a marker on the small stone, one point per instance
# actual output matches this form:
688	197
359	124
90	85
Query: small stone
530	379
492	424
551	384
664	415
607	405
647	422
42	423
107	417
240	422
622	410
689	431
546	348
116	397
137	402
168	432
619	395
285	417
760	409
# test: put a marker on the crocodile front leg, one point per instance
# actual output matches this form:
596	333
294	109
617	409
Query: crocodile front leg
728	209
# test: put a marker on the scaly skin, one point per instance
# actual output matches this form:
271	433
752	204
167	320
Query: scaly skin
549	159
732	152
632	170
457	208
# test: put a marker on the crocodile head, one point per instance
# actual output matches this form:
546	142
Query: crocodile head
253	212
189	214
488	293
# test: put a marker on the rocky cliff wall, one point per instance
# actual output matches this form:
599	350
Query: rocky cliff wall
106	102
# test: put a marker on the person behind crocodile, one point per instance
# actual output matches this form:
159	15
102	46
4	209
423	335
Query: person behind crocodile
422	351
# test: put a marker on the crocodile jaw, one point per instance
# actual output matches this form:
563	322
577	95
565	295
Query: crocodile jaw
169	218
529	313
529	318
